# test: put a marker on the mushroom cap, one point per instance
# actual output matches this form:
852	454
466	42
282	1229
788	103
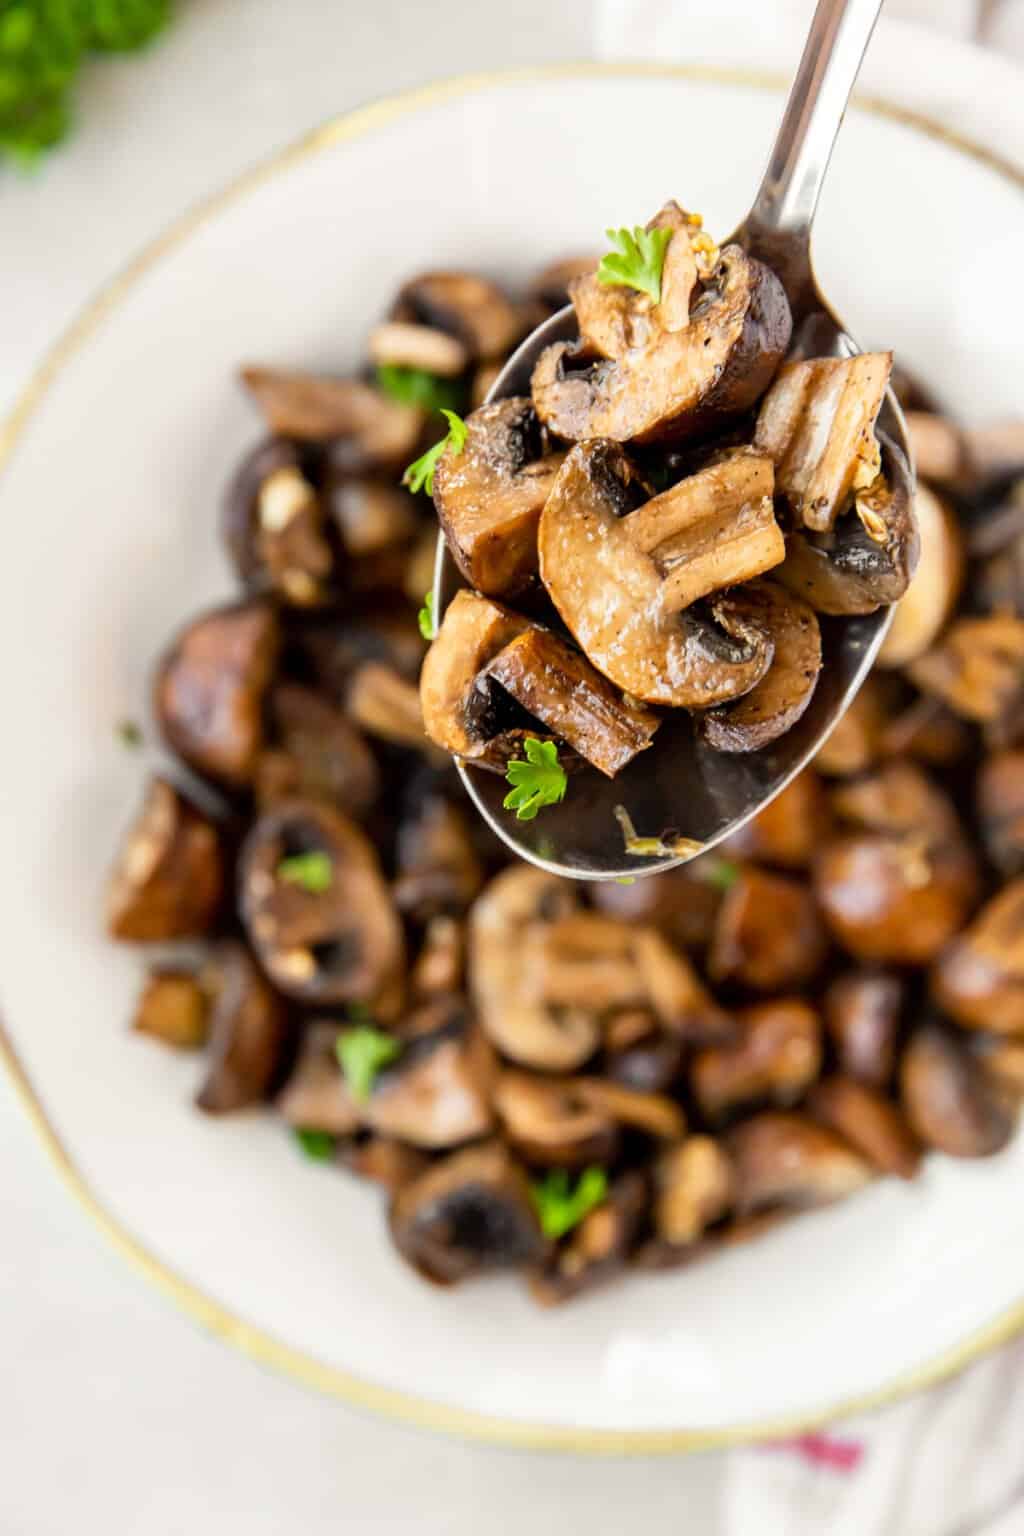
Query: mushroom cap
248	1033
768	934
272	521
437	1094
979	978
372	428
923	609
316	1096
550	1123
871	1124
693	1184
465	305
473	630
862	1012
775	1058
786	1159
342	944
314	751
609	594
597	1249
950	1100
790	829
168	879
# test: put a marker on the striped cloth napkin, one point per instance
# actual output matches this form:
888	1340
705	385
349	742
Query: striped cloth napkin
949	1462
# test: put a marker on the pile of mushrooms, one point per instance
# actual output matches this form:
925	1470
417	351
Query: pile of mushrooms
565	1080
671	509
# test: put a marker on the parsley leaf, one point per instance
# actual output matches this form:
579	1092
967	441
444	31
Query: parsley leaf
539	781
363	1051
313	871
428	624
129	733
559	1207
317	1145
721	873
637	260
415	386
420	474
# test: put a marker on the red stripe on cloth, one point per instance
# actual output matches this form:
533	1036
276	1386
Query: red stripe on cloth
822	1451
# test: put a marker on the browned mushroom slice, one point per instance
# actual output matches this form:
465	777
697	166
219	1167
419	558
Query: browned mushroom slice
777	702
641	1055
436	1094
317	909
551	284
681	1002
316	1096
817	422
775	1058
209	690
383	1160
652	1113
315	751
550	1123
710	530
248	1033
871	1124
372	517
680	904
693	1188
768	934
938	446
172	1008
786	1159
457	714
609	593
675	369
929	600
489	496
928	732
977	668
583	960
332	650
952	1103
439	869
273	526
855	744
979	978
168	878
440	964
374	429
557	685
1000	802
1003	1059
791	829
869	557
862	1015
596	1250
468	1213
405	344
508	920
386	705
464	305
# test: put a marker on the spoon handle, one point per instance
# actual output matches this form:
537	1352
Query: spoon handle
788	194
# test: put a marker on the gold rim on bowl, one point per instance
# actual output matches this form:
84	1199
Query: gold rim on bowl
255	1342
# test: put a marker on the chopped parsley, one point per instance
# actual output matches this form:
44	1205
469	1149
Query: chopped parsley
427	622
313	871
538	781
420	474
318	1146
560	1207
129	733
415	386
637	259
363	1052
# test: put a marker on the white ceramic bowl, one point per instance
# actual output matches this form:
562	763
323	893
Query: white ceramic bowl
109	507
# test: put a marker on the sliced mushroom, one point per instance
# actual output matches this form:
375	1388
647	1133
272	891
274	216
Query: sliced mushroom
923	609
370	428
681	1002
928	732
869	557
777	702
489	496
671	370
273	526
468	1213
654	1114
551	285
248	1033
550	1123
210	688
583	960
693	1188
871	1124
437	1094
784	1159
315	752
768	935
512	911
712	529
439	869
640	1054
790	829
939	449
1003	1059
556	684
168	878
372	518
979	978
855	743
404	344
332	943
386	705
949	1099
465	305
596	1250
609	594
172	1008
334	650
977	668
440	963
680	904
1000	803
817	422
862	1016
316	1096
458	714
380	1158
774	1060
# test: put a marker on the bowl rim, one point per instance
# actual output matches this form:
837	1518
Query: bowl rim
256	1342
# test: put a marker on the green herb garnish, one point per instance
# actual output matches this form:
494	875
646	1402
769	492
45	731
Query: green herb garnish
313	871
129	733
415	386
539	780
559	1207
721	873
428	626
318	1146
637	260
420	474
363	1052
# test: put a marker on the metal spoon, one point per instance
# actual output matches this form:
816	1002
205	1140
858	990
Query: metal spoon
678	792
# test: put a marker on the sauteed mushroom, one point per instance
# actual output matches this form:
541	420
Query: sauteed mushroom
977	668
790	830
862	1015
693	1184
950	1100
168	879
769	934
436	1094
775	1059
458	714
314	752
787	1160
367	428
439	869
465	305
1000	803
550	1123
273	526
979	978
316	1096
598	1248
172	1008
868	1122
248	1033
923	609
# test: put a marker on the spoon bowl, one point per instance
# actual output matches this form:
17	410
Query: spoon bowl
682	794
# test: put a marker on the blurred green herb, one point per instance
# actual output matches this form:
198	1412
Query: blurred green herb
420	474
129	733
428	625
318	1146
559	1207
721	873
539	780
415	386
42	46
313	871
363	1052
